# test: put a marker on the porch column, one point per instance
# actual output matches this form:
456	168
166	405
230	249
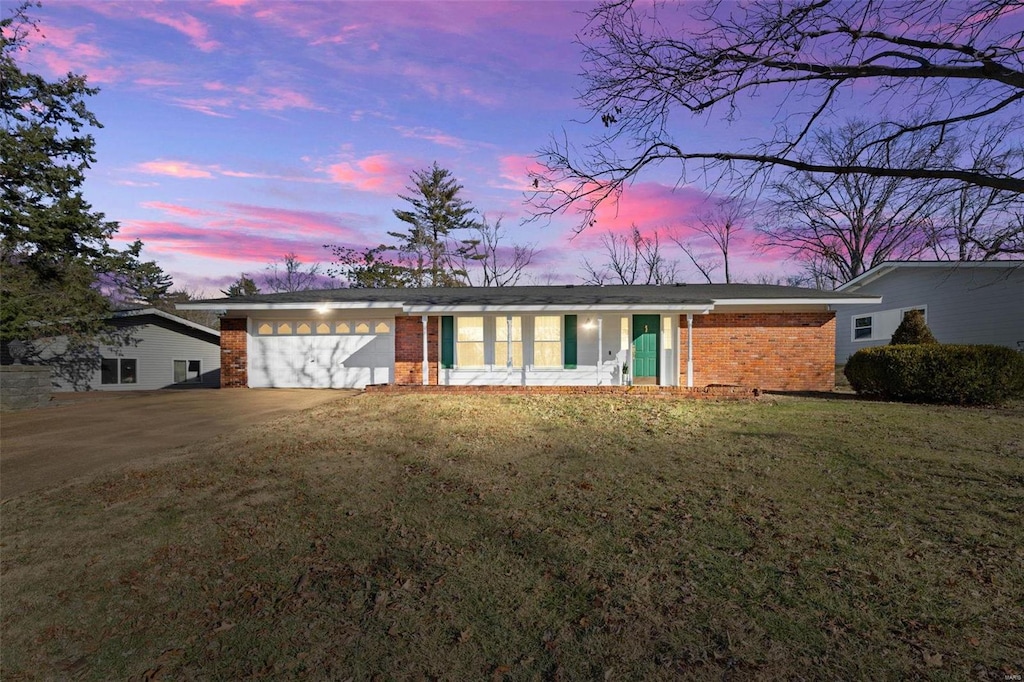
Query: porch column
600	347
689	350
426	363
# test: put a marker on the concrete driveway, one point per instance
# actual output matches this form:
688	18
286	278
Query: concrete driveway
80	434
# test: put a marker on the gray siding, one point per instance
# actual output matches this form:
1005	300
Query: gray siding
964	305
154	345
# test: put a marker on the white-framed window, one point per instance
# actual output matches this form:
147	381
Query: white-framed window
469	342
188	372
501	341
863	326
547	341
119	371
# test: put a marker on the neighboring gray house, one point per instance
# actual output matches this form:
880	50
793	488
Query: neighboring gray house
963	302
149	349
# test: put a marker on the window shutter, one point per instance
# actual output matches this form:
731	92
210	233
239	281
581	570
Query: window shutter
570	341
447	342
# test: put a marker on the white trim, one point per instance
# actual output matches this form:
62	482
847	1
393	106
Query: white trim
562	308
689	351
121	314
885	268
426	356
861	300
306	305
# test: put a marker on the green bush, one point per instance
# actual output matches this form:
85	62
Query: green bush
912	330
934	373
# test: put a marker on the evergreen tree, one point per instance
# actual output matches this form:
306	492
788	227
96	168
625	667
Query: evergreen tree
437	217
243	286
55	254
912	330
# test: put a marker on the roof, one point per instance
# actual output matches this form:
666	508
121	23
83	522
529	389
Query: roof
682	297
137	312
887	267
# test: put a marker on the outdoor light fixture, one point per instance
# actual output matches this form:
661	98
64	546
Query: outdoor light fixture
589	324
322	309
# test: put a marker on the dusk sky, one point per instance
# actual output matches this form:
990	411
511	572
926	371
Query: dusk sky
238	131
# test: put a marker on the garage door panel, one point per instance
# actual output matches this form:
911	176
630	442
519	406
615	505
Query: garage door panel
323	361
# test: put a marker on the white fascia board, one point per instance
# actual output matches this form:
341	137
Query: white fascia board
860	300
885	268
307	305
167	316
701	309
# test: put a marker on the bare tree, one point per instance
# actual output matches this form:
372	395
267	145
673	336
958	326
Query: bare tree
631	259
500	266
842	225
289	274
979	223
936	66
719	225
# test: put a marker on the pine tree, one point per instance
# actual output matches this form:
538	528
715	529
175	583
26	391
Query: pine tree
436	219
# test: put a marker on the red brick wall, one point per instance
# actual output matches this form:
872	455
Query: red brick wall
234	353
409	349
772	351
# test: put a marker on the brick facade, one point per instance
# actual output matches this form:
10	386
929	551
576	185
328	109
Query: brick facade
409	350
234	353
771	351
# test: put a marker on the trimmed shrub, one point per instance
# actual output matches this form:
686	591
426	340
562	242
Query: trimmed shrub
934	373
912	330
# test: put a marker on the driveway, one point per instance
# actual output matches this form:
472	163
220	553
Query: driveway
79	434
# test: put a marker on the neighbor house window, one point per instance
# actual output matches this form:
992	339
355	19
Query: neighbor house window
187	372
862	327
469	341
501	343
547	341
118	371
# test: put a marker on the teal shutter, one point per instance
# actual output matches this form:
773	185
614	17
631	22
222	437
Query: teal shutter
447	342
569	326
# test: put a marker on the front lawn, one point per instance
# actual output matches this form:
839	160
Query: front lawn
420	537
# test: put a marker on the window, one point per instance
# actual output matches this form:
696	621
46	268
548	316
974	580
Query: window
547	341
666	332
108	370
501	342
862	328
264	328
119	371
469	341
323	327
187	372
303	328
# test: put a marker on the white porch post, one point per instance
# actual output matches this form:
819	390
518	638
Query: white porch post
508	347
600	347
426	363
689	350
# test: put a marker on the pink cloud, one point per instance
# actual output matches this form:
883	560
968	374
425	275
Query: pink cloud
649	205
244	233
432	135
515	171
65	50
196	31
175	209
376	173
174	169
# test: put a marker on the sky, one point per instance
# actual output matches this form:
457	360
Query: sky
236	131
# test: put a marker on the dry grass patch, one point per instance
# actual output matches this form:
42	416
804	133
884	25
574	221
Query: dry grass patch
539	537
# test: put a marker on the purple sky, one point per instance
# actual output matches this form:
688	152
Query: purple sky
238	131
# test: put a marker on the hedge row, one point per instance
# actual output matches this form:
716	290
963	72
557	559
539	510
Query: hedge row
946	374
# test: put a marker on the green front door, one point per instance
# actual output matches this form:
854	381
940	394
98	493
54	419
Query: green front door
646	337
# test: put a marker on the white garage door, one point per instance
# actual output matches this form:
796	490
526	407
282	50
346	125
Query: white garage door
303	353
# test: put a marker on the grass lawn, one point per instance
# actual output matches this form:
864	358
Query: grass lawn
512	537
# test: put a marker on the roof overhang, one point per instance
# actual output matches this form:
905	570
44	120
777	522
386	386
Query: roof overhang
883	269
